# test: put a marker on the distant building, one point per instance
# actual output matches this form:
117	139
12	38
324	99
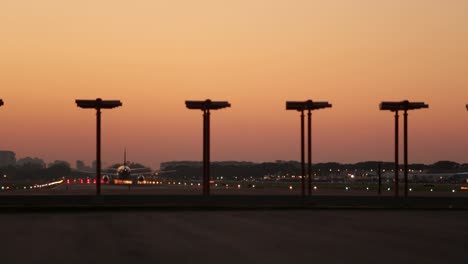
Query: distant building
198	164
80	165
7	158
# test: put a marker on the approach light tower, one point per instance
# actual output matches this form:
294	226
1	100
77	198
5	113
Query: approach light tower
301	106
98	104
404	106
206	106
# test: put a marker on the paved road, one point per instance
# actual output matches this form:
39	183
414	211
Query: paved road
235	237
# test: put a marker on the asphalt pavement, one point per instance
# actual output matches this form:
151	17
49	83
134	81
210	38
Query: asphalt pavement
305	236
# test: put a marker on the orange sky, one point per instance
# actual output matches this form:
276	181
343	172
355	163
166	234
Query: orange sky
154	55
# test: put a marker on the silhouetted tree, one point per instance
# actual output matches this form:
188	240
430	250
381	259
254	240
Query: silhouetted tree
59	162
444	166
29	160
58	170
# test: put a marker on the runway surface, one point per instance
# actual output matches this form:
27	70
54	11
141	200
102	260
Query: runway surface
90	189
82	197
317	236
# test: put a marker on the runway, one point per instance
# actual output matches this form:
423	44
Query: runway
153	197
233	189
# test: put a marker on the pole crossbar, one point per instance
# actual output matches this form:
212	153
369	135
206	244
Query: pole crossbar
404	106
98	104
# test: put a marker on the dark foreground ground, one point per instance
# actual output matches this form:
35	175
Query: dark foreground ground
93	203
273	236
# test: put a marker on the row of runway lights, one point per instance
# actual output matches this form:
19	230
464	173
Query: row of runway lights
36	186
185	184
88	181
347	188
389	189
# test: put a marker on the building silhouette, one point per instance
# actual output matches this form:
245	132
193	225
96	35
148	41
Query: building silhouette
7	158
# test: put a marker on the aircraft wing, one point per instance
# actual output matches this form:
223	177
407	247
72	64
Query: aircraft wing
104	172
139	169
150	173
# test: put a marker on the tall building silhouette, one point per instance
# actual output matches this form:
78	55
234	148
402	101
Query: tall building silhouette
7	158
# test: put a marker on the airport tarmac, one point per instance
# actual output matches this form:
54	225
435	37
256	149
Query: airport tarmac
318	236
175	197
175	189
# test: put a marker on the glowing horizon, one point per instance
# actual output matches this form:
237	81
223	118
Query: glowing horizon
255	54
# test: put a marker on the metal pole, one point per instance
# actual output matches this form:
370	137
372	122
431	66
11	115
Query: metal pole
396	153
405	150
302	154
204	153
98	151
379	173
208	153
309	149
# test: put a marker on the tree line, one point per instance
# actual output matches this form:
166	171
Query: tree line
36	171
231	170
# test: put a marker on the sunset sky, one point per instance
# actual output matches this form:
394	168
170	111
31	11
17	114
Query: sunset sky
153	55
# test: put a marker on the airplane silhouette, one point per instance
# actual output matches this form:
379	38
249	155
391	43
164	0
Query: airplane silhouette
126	175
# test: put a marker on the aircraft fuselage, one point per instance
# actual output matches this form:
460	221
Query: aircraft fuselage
124	172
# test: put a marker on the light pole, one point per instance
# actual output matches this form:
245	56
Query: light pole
379	173
98	104
404	106
206	106
301	106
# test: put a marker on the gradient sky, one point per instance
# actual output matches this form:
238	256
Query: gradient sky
154	55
